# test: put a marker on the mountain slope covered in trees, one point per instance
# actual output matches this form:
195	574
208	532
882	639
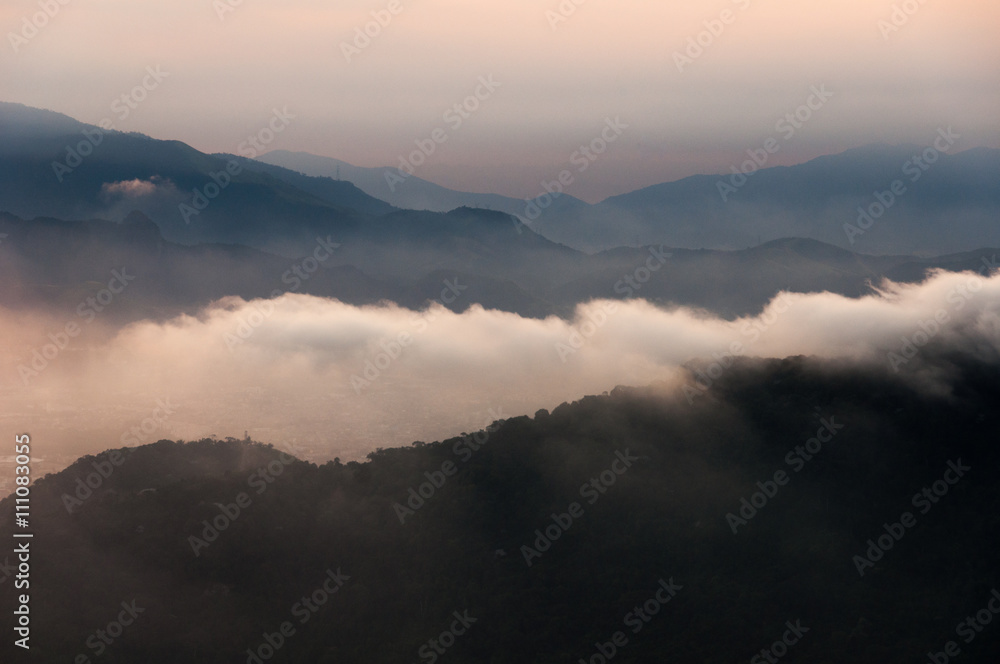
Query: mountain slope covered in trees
625	506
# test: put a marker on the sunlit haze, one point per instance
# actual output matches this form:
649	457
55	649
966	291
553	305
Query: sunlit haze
562	69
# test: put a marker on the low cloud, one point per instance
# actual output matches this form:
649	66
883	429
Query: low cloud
134	188
342	380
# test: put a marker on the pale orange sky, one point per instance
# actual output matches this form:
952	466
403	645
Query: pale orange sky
557	85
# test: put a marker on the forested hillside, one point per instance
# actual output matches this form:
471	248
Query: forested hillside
607	524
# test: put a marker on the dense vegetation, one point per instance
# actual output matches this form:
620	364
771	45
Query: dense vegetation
663	518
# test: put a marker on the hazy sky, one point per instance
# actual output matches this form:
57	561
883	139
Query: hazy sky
559	80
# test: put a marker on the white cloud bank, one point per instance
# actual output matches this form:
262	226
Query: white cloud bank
342	380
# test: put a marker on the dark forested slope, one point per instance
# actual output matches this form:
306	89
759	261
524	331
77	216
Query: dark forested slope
625	505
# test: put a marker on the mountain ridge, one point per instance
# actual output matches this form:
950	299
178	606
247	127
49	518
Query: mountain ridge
46	261
815	198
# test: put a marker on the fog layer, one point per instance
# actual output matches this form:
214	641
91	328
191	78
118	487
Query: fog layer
341	380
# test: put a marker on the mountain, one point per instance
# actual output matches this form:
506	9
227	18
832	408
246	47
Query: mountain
737	283
947	206
267	217
839	506
412	192
335	192
198	198
57	264
54	166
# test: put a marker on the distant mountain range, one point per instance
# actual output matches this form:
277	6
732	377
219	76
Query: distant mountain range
412	193
877	199
54	166
953	205
58	263
204	226
949	202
